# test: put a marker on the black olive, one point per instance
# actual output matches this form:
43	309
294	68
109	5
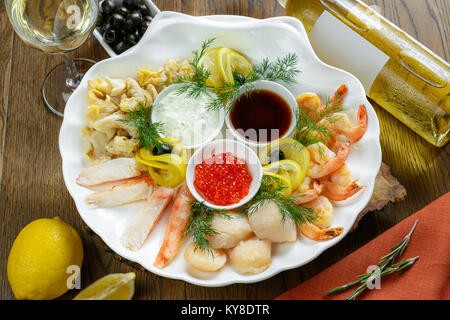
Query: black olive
121	46
132	38
275	156
164	149
131	4
144	26
133	20
100	20
106	25
239	77
123	11
148	18
108	7
143	9
116	20
110	36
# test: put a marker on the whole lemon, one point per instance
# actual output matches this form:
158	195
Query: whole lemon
40	257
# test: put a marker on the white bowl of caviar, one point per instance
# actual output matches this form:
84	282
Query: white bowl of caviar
187	119
224	174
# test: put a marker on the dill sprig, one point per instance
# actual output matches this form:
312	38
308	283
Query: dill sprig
386	266
199	224
194	85
281	70
271	190
148	132
311	129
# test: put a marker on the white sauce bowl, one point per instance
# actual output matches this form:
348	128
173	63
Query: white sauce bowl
172	89
239	150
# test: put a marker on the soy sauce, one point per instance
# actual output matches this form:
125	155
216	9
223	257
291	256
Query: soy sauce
261	109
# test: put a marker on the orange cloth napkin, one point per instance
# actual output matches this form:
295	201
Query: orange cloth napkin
427	279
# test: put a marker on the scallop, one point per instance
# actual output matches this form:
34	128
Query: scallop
204	260
251	256
230	231
267	223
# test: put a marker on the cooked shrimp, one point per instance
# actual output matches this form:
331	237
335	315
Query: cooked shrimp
143	223
324	161
340	185
111	170
339	124
309	102
178	221
305	192
320	229
130	191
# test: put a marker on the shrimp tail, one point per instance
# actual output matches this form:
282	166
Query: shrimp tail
362	124
313	232
337	192
338	96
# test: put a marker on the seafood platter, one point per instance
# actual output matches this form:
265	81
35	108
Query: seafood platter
205	154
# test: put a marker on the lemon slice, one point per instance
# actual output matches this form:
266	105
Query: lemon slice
288	169
115	286
209	62
236	62
222	60
287	190
168	170
175	145
292	149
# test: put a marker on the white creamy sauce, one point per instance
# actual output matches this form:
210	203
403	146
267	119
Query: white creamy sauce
186	120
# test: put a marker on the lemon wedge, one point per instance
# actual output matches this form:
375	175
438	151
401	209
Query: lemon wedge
222	60
288	169
236	62
209	62
287	190
292	149
115	286
231	61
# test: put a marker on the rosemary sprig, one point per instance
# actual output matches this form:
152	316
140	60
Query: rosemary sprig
271	190
199	224
311	129
281	70
148	132
386	267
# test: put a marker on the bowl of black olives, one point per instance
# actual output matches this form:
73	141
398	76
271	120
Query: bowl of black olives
122	23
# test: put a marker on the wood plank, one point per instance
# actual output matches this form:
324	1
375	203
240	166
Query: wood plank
7	32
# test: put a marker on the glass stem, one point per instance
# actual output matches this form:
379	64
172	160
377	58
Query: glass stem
73	76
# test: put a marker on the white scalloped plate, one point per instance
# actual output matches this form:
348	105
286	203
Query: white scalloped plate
175	35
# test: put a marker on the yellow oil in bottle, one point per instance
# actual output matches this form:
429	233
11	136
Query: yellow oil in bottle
413	84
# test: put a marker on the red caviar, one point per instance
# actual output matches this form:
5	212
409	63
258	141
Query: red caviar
222	179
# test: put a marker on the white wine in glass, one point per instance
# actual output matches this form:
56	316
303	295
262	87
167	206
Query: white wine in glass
57	27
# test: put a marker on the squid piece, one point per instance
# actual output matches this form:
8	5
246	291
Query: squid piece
143	223
130	191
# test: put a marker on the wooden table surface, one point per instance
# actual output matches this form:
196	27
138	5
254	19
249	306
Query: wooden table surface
31	178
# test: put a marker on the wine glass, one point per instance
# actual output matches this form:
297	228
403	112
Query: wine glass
57	27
